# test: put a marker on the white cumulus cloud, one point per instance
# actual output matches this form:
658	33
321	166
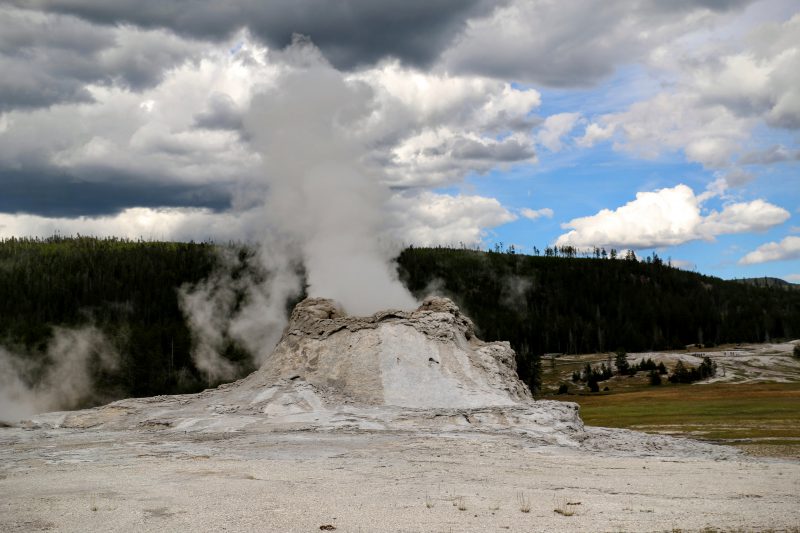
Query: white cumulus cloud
743	217
554	128
421	218
429	218
573	43
595	133
533	214
668	217
788	248
715	95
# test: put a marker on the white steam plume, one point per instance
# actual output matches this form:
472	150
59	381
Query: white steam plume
63	381
321	196
238	302
318	204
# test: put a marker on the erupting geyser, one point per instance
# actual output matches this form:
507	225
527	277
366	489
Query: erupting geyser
428	358
399	370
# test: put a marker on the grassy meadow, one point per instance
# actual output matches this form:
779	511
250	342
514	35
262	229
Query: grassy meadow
760	418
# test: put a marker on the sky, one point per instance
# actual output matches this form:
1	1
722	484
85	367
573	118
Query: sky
666	127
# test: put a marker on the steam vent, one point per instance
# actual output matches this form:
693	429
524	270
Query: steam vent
394	370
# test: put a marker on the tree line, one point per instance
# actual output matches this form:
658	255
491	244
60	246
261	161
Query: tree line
541	304
127	289
569	304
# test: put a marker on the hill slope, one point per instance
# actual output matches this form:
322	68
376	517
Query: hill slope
128	290
575	305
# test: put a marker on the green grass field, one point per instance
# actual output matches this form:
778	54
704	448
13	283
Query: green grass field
761	418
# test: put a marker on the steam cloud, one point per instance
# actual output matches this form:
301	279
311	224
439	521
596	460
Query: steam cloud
241	302
73	355
321	197
320	205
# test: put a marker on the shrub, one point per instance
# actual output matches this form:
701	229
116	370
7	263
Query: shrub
655	377
680	374
647	364
708	368
684	374
563	388
621	362
796	350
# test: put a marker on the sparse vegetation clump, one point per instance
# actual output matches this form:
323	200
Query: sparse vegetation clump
562	507
523	502
655	378
590	375
428	501
796	350
621	362
687	374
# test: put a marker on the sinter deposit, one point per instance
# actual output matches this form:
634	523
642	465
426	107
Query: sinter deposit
402	421
392	370
423	370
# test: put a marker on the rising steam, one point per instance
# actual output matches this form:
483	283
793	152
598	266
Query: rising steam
321	197
63	381
319	205
244	300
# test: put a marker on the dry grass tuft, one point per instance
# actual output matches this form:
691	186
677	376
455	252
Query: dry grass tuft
562	508
428	501
460	503
523	502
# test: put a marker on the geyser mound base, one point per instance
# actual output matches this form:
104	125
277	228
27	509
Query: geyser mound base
394	370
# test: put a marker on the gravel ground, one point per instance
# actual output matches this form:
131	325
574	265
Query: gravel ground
155	480
402	421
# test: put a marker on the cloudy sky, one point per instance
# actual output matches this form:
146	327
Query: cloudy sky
635	124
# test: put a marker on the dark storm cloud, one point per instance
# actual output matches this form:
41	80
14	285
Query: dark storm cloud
773	154
25	87
684	5
49	193
349	32
560	44
221	114
507	151
49	59
569	44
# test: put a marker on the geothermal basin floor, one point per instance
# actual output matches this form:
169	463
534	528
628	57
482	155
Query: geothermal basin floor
155	480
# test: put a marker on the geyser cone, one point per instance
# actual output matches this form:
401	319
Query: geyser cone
397	370
427	358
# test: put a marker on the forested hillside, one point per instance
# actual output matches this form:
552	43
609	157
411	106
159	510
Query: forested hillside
581	305
770	282
128	290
